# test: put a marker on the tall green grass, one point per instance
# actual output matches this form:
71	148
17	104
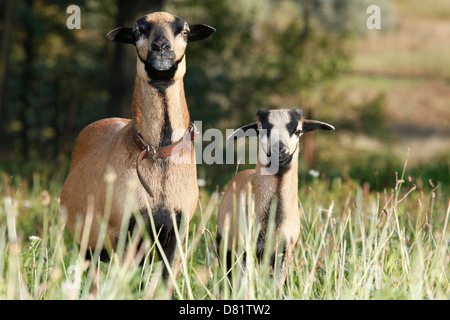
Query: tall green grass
354	244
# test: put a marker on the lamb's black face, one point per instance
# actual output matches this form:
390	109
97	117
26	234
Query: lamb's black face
161	39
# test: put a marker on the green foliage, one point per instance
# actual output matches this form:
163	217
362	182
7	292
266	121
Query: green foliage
56	78
255	55
436	171
375	168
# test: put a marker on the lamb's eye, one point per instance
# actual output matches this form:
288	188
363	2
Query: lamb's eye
185	33
137	33
297	132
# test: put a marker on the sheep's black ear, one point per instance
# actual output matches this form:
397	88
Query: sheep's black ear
249	130
310	125
200	32
121	34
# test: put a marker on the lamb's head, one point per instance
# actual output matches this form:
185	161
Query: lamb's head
161	39
279	131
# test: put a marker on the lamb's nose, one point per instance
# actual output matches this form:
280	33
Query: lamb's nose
281	149
161	44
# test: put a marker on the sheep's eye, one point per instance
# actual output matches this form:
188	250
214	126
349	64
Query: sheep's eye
137	33
297	132
185	33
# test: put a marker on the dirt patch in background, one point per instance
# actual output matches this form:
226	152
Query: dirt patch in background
410	65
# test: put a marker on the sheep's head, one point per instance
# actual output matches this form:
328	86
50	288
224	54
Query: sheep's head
161	39
279	131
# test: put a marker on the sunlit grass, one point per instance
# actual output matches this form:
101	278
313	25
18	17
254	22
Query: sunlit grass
354	244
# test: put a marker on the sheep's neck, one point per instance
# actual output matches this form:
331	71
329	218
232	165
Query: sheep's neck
283	188
160	112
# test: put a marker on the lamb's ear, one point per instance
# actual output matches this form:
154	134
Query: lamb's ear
310	125
249	130
200	32
121	34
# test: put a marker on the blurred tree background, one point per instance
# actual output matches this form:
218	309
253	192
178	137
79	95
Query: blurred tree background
265	54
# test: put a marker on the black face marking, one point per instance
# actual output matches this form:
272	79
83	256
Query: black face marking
177	26
161	85
157	75
293	122
264	120
284	166
144	27
160	29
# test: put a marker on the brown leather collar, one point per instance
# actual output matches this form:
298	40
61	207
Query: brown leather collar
152	153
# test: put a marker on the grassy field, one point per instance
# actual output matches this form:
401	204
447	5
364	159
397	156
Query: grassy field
354	244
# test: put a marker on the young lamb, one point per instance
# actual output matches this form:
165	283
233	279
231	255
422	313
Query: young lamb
275	177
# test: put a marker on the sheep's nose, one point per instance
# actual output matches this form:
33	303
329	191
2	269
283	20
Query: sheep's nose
281	149
161	44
